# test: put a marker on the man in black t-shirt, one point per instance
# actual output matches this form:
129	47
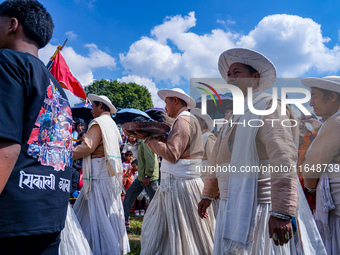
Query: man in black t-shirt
35	145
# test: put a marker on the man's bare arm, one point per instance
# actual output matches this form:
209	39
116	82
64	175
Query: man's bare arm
9	153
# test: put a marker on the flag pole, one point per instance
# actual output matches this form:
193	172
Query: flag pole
59	48
64	44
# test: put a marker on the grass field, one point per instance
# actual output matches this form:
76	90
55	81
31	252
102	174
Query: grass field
134	233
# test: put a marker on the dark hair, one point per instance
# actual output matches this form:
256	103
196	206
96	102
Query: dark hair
135	162
181	101
104	106
80	121
128	153
327	94
251	69
81	134
37	23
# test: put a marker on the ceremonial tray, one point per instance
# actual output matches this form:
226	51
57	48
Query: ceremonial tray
153	128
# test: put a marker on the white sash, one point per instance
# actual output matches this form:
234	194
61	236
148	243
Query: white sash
182	169
242	203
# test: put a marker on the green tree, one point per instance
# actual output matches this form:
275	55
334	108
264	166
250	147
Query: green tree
121	94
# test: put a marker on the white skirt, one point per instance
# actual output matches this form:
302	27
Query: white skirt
334	225
72	237
171	224
215	205
262	243
102	216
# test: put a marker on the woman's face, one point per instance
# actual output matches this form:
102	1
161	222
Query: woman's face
134	167
80	128
123	138
240	76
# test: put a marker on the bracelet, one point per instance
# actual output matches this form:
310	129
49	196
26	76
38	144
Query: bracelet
309	190
209	198
280	216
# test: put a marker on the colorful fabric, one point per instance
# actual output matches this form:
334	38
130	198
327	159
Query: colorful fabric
63	74
51	139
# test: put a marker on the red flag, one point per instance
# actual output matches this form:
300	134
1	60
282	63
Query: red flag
64	76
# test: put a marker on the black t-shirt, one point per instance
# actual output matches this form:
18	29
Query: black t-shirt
35	113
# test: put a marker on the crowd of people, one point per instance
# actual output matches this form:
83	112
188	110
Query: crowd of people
107	170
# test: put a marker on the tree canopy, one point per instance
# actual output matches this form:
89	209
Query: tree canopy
121	94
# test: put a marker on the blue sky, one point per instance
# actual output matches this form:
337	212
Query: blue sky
163	44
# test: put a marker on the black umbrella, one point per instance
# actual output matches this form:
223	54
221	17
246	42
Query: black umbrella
129	115
156	114
82	111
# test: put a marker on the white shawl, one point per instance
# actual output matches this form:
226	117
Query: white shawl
242	192
110	136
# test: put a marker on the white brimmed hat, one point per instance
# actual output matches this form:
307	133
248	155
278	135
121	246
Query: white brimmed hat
179	93
331	83
104	99
252	58
198	112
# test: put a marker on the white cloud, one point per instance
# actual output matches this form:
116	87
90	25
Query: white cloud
71	35
150	58
173	26
194	55
172	53
294	44
89	3
151	86
81	66
226	23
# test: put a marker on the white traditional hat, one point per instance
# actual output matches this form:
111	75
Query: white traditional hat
331	83
163	93
252	58
205	117
104	99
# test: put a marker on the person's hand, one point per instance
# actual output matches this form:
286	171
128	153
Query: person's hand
282	229
137	134
163	138
202	208
146	181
